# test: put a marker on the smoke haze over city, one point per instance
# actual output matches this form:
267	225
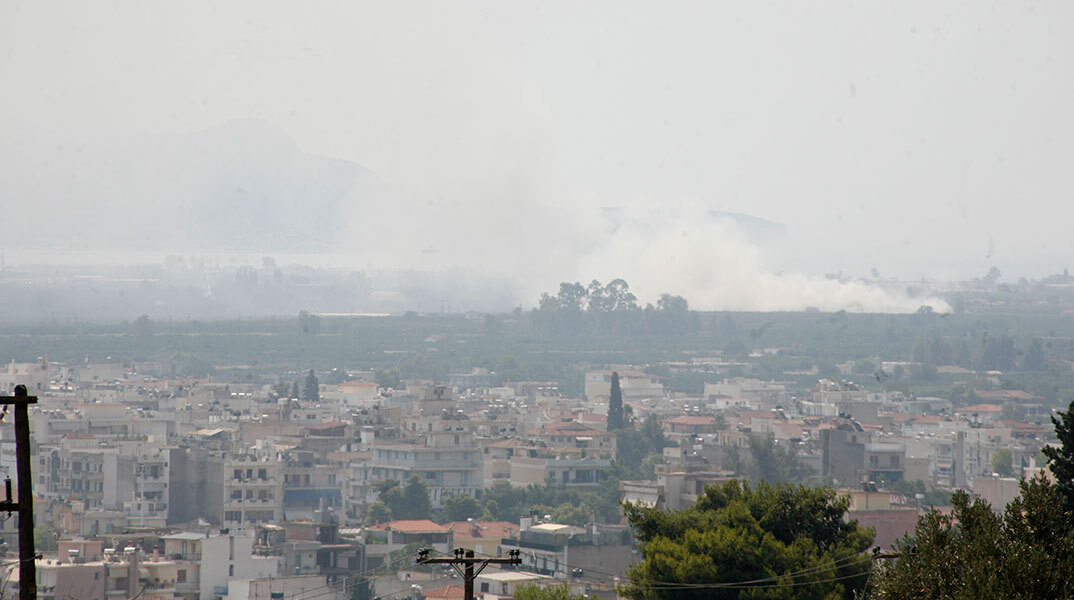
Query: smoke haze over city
547	143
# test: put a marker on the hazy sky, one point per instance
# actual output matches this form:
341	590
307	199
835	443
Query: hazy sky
920	138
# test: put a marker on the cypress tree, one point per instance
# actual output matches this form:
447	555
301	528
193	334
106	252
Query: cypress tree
312	391
615	405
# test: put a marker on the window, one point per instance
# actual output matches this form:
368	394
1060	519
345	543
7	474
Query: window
231	570
180	576
262	474
238	474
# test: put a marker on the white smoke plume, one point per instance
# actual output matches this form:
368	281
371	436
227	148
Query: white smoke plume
711	262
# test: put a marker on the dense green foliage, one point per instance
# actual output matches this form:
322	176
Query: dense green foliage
1061	458
1001	462
764	460
1027	553
401	502
557	592
931	497
460	507
501	502
638	450
569	506
311	391
789	541
266	350
612	308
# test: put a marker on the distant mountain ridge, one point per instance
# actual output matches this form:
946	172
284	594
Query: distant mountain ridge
243	186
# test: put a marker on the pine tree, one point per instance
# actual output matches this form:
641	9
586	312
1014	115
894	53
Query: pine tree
1061	459
615	405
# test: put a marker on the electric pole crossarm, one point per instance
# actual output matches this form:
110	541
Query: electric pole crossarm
467	559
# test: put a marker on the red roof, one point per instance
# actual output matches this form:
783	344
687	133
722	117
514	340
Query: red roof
416	526
483	529
448	591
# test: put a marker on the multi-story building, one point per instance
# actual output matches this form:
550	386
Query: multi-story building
571	472
205	563
252	490
446	458
360	490
309	485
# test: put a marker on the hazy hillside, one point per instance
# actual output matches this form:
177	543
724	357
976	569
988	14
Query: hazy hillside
244	187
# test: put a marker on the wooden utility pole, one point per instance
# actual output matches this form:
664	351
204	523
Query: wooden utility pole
25	505
466	559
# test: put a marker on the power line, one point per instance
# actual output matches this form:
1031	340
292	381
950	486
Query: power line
335	586
427	583
775	580
302	595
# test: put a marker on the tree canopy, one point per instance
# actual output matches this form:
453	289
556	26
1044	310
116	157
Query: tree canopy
401	502
973	553
764	460
611	309
311	390
556	592
1061	458
786	541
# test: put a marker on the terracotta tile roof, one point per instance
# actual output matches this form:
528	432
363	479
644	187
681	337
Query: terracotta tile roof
416	526
483	529
448	591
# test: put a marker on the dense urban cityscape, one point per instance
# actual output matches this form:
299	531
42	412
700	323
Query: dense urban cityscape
484	300
313	456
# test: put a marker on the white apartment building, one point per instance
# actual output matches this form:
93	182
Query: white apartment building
253	491
205	563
